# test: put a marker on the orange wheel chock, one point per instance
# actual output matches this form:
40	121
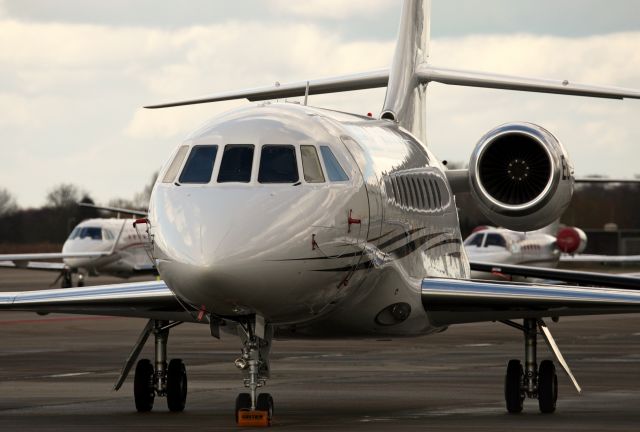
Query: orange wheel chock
253	418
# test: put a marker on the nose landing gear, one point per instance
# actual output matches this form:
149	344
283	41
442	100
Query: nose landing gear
253	409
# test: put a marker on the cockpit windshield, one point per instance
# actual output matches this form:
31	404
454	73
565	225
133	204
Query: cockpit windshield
474	240
495	240
79	233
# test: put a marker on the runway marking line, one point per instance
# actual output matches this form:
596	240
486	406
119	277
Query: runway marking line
66	375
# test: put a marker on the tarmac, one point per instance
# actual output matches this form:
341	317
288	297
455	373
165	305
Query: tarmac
57	373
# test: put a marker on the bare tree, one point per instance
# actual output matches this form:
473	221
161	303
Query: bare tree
8	202
64	195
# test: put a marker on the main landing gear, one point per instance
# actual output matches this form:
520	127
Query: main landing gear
253	409
66	279
530	381
159	378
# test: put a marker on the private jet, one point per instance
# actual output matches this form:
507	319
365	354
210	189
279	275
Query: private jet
528	248
499	253
281	219
95	246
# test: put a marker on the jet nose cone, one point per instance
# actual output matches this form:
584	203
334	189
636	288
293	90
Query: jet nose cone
229	247
198	227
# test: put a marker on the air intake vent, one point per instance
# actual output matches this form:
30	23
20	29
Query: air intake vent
418	191
514	169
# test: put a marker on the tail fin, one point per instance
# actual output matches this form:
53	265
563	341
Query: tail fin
405	98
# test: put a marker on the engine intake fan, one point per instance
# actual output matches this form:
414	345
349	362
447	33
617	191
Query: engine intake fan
520	176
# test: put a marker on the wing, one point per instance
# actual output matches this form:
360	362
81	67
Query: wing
428	73
153	300
49	256
453	301
114	209
602	259
424	74
33	261
359	81
450	301
570	276
34	265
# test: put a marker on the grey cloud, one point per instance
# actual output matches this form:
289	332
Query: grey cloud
451	17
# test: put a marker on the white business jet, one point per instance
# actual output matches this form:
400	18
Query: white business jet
95	246
493	252
280	219
540	248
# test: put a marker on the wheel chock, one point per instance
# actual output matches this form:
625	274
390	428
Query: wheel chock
253	418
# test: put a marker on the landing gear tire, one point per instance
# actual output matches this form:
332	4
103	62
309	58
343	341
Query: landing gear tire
243	402
513	394
265	403
176	385
547	387
67	280
143	389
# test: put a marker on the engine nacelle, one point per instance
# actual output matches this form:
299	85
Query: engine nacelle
520	176
571	240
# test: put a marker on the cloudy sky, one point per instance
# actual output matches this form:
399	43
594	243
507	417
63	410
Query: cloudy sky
74	75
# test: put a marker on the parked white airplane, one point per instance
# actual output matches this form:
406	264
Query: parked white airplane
95	246
283	219
539	248
493	251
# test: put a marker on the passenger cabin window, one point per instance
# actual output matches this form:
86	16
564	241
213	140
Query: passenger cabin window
311	164
476	240
495	240
199	165
334	170
172	171
79	233
237	160
278	164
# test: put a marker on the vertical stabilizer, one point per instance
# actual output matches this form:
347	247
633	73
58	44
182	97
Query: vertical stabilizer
405	99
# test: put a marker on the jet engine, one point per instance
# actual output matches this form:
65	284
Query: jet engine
520	176
571	240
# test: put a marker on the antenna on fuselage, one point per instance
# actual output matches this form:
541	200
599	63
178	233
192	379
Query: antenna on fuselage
405	98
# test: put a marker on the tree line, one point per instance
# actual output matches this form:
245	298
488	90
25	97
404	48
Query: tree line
593	205
51	224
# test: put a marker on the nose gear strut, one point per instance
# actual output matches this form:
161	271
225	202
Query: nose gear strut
253	409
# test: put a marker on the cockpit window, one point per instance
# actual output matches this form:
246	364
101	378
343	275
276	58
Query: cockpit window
236	163
108	235
311	164
475	240
80	233
334	170
495	240
172	171
278	164
199	165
